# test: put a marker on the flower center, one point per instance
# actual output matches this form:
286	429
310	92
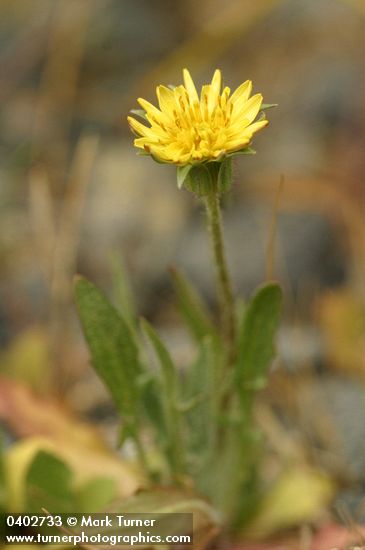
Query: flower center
200	139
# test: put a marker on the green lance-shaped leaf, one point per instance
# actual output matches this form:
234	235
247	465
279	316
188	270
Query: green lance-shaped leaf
201	398
96	494
114	353
49	485
154	412
192	307
123	293
256	338
169	397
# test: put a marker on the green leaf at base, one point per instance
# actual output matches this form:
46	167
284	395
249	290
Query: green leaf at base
114	353
48	485
169	398
96	494
256	338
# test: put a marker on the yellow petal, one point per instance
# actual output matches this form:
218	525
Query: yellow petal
142	142
159	152
138	127
214	90
190	87
248	110
174	152
243	138
242	93
256	126
225	96
166	100
204	97
216	82
181	99
186	127
152	112
238	143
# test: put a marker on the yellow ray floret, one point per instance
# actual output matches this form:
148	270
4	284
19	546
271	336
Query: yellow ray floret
188	128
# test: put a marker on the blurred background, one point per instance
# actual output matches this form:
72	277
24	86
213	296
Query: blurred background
75	197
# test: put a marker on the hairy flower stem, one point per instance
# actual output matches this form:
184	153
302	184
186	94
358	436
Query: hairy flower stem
224	285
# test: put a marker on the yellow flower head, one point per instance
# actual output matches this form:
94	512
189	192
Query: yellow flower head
189	129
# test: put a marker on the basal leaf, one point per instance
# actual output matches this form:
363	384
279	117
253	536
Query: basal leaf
153	408
256	338
96	494
169	398
168	368
123	294
114	353
48	485
202	390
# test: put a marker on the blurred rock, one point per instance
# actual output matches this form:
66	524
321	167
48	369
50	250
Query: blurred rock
332	412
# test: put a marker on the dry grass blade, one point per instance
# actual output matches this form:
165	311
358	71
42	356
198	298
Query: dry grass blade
59	81
66	246
334	202
67	238
42	219
270	253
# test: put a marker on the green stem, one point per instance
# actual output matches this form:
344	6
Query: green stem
224	285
